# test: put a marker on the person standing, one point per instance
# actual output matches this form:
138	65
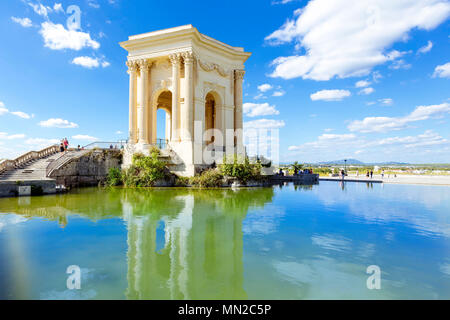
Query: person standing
382	174
66	144
371	174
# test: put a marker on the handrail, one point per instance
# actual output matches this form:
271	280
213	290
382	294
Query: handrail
160	143
64	159
27	157
105	144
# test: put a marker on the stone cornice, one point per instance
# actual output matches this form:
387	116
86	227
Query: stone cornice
183	33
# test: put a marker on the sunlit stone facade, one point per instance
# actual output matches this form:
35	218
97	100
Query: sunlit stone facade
197	80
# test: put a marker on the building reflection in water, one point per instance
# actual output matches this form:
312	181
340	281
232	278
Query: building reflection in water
201	254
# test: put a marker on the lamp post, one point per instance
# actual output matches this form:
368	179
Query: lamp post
345	166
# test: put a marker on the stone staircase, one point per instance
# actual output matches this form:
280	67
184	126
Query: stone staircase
35	169
35	166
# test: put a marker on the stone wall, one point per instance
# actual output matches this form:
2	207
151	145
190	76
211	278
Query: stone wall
37	187
89	169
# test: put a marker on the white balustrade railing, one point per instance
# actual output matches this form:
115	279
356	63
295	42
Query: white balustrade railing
27	157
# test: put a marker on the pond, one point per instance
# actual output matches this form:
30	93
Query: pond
284	242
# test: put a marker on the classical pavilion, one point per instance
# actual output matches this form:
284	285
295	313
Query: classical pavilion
197	81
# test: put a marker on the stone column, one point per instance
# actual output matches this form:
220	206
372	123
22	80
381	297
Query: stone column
238	123
175	60
143	110
188	114
132	71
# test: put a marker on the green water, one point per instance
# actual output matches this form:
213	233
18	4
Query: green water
290	242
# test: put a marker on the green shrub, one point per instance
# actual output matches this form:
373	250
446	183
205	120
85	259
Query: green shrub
182	181
145	170
208	179
114	177
241	170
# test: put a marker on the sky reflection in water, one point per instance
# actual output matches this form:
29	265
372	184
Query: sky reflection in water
290	242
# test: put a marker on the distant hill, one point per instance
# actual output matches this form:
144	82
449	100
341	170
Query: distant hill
360	163
349	162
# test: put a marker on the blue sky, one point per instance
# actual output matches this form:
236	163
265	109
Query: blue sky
339	78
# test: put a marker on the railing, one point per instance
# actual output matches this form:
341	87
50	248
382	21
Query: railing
27	157
106	145
63	159
159	143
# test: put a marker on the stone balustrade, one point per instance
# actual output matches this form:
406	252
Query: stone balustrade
27	157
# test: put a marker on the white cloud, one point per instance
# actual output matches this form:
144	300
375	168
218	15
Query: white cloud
40	9
5	136
384	124
386	101
265	87
119	132
3	110
264	124
93	4
57	37
39	143
428	138
400	64
24	22
261	109
58	7
326	140
259	96
362	84
278	93
22	114
425	48
57	123
442	71
330	95
367	91
84	137
345	38
86	62
89	62
282	1
341	146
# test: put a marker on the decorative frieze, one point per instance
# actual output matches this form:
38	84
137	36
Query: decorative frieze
208	67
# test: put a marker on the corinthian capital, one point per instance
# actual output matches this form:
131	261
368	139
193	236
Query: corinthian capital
132	66
239	74
188	57
174	58
144	64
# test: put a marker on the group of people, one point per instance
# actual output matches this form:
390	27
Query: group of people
296	172
64	145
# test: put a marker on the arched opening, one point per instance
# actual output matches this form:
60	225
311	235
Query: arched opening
163	118
210	117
